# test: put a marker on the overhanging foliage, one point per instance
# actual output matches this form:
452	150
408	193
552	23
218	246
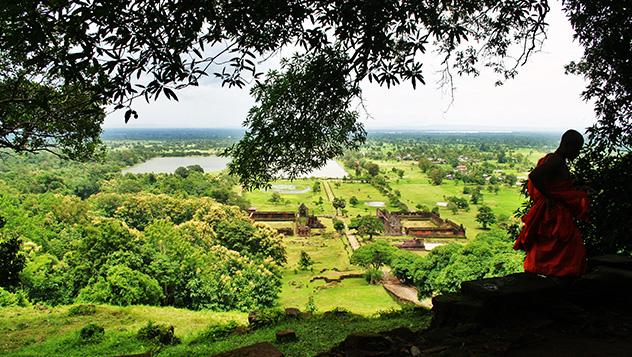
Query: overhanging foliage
122	50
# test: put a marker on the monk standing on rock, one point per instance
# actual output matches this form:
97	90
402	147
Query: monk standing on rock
550	236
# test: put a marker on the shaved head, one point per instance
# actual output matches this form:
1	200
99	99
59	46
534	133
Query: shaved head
572	136
571	143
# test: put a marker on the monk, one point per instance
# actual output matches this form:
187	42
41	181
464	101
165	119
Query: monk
550	236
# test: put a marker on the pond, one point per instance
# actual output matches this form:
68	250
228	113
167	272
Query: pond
288	189
168	165
375	204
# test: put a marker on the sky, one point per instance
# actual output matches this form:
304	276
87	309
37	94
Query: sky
541	98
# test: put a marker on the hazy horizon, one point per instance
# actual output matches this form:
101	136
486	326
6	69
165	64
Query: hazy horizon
541	97
429	128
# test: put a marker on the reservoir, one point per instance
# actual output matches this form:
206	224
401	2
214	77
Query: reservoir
168	165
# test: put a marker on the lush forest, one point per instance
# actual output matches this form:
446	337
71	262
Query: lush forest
86	233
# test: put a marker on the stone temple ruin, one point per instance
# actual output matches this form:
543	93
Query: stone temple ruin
303	224
399	223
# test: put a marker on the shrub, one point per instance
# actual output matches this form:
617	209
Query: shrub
305	262
82	310
311	305
215	332
265	317
160	334
91	333
373	275
338	312
9	299
443	270
123	286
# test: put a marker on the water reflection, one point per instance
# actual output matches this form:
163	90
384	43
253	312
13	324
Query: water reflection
217	163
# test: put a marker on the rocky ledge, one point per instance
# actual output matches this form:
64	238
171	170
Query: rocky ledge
516	315
520	315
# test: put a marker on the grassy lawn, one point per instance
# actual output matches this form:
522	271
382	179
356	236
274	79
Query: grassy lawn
34	332
330	256
364	192
278	224
415	188
415	191
421	224
260	199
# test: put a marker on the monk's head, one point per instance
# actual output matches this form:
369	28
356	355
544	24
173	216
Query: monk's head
571	143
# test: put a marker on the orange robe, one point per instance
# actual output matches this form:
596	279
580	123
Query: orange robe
550	236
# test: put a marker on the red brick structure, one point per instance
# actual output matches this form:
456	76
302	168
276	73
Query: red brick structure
412	244
272	216
443	228
303	221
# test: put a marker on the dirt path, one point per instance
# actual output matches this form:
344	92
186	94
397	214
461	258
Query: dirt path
353	241
403	292
328	191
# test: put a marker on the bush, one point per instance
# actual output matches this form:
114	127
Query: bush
92	333
265	317
45	280
311	305
160	334
82	310
305	262
9	299
338	312
215	332
373	275
123	286
443	270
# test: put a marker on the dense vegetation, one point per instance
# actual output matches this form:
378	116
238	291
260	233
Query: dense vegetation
446	267
90	234
147	249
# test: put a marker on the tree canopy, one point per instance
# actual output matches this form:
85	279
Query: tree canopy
604	29
367	225
118	51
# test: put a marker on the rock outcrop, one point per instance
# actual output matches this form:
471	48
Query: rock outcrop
520	315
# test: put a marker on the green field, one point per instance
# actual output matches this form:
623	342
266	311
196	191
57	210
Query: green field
52	332
364	192
331	259
414	192
260	199
415	188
